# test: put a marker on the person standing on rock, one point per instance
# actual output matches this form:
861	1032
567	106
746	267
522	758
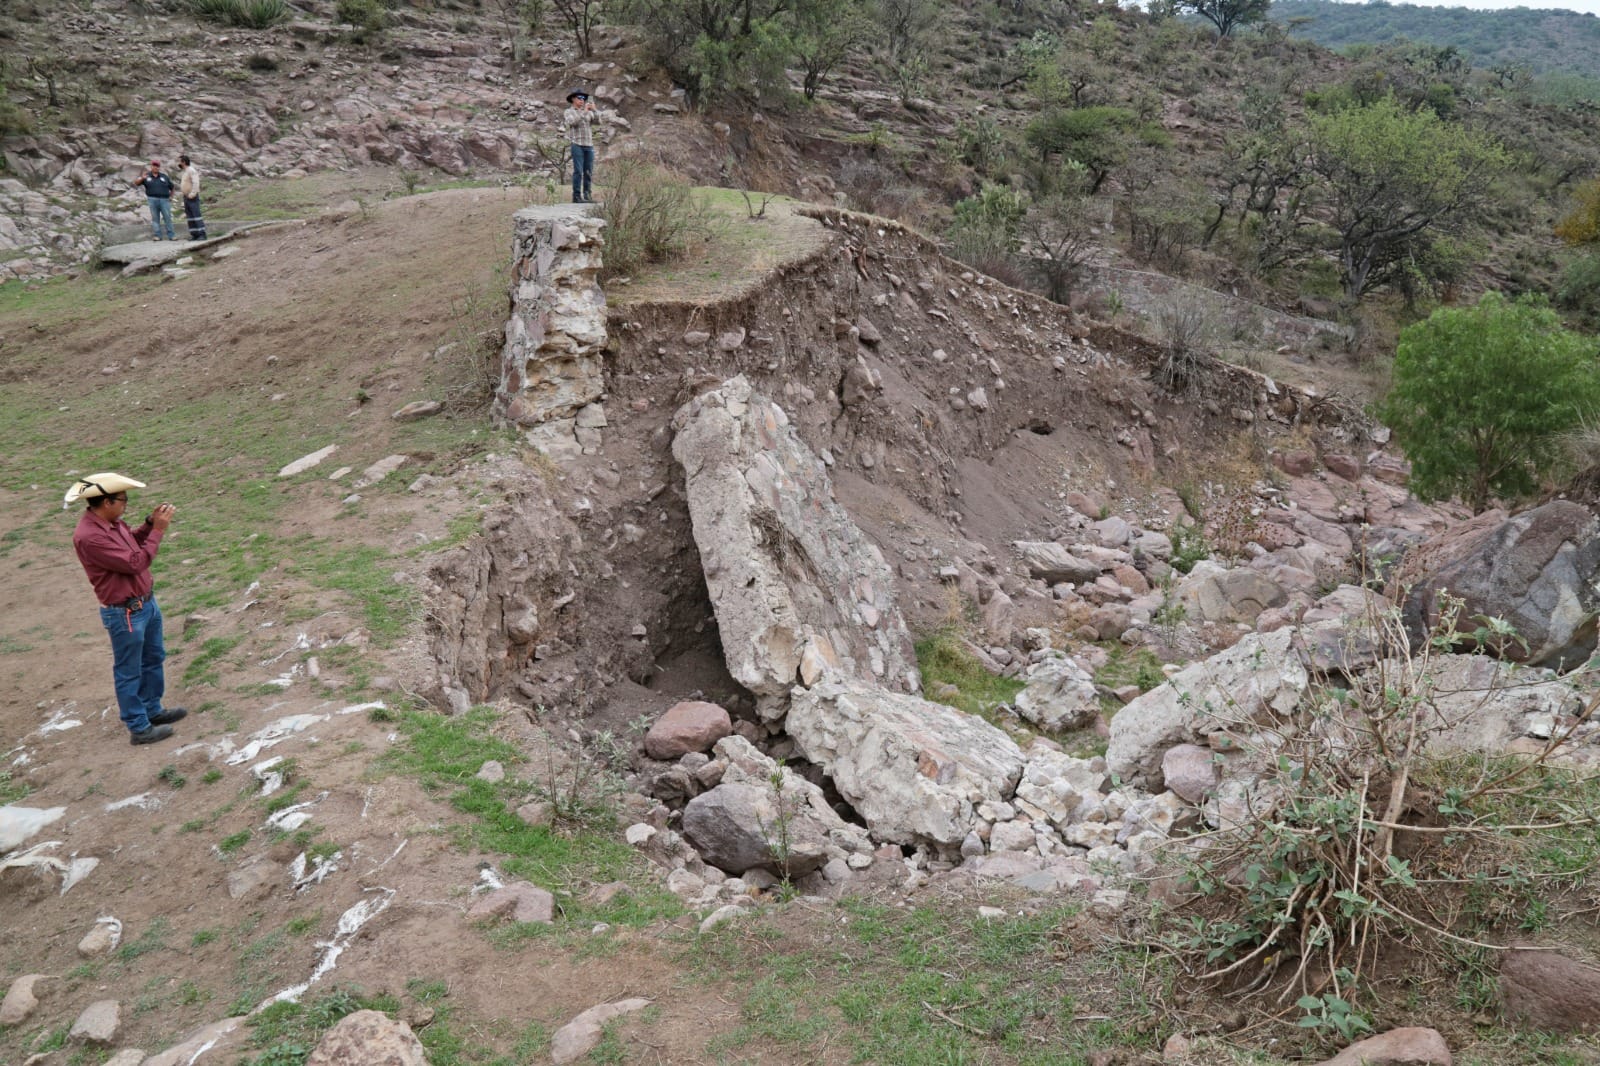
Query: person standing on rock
576	120
158	194
117	560
189	189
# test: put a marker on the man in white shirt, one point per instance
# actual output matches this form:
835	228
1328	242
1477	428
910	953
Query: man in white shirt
189	189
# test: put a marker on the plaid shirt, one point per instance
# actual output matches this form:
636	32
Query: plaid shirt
577	124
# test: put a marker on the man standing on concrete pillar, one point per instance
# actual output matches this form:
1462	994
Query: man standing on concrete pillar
576	119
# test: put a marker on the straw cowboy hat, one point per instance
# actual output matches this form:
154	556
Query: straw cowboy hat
97	485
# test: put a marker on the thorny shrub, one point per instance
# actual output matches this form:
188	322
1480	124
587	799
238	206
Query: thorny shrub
1360	832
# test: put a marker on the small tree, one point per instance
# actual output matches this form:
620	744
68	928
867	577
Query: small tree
1227	15
1060	234
825	33
581	17
905	25
1390	176
1480	394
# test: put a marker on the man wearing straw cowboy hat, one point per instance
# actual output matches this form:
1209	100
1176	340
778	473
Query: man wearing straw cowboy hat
117	559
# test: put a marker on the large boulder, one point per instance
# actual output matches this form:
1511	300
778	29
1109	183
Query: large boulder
799	592
692	725
1547	990
1482	704
738	827
1060	695
369	1038
1411	1046
1537	570
914	770
1213	593
1052	563
1260	677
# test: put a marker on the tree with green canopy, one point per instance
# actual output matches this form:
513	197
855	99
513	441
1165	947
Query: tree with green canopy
1392	178
1481	393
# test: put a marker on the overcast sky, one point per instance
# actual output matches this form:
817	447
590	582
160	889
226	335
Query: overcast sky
1591	7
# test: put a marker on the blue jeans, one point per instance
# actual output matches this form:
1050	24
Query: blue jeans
582	172
160	214
137	652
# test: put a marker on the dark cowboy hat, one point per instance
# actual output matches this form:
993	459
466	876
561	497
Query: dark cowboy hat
577	92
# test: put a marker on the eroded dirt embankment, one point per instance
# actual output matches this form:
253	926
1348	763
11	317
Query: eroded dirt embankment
955	415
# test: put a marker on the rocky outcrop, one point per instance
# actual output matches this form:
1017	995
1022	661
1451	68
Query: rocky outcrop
551	364
1259	677
1537	570
800	593
1213	593
914	770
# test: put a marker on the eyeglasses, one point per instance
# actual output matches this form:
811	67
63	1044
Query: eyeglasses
121	497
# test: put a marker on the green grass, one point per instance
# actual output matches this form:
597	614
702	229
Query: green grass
943	660
233	842
902	986
202	669
284	1034
11	789
1125	666
202	937
153	939
444	754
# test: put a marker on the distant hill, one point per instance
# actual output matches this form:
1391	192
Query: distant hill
1546	42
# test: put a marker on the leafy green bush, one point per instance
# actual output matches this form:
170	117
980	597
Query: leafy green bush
1481	394
1188	546
651	216
985	233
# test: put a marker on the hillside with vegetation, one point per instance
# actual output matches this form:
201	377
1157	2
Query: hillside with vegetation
1538	41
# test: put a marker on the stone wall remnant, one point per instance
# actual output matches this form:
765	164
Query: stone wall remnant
552	362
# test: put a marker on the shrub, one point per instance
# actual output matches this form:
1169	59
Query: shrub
985	233
1579	287
1481	394
651	217
245	14
364	16
1359	834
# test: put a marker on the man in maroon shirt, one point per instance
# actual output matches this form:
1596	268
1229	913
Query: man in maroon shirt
117	559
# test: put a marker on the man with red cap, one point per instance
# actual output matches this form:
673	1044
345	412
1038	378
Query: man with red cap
117	559
158	194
